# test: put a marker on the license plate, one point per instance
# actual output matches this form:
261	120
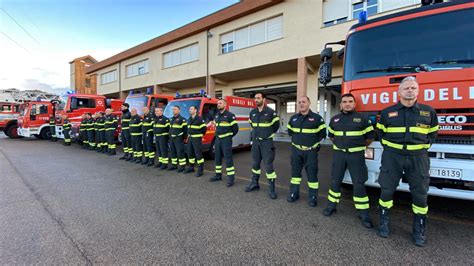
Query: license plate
446	172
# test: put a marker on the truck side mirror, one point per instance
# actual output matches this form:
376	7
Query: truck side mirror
340	54
325	69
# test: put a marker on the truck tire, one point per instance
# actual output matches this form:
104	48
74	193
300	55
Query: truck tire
12	131
45	133
38	136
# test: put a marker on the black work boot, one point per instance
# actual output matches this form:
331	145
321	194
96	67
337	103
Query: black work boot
312	197
112	152
124	157
419	227
139	160
384	225
216	177
253	185
130	158
271	189
163	166
145	161
230	181
330	209
172	168
190	169
294	194
365	219
200	170
181	168
133	159
151	162
158	165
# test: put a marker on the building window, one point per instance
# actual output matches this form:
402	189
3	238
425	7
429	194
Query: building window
181	56
334	22
257	33
137	69
290	107
105	78
369	5
88	82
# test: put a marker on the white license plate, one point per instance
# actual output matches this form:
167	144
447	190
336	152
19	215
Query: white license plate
446	172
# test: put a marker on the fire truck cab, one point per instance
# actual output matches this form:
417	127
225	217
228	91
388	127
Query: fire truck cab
34	119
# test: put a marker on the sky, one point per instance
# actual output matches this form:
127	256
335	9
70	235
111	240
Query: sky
38	38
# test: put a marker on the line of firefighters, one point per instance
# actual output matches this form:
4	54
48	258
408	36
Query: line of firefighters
405	130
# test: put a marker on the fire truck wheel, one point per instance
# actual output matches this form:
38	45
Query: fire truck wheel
45	133
12	131
38	136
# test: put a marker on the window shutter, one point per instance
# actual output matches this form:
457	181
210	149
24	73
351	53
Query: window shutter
274	28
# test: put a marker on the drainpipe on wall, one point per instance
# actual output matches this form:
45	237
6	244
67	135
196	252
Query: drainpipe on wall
208	35
120	80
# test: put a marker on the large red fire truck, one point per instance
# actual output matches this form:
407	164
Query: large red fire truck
34	118
207	108
434	44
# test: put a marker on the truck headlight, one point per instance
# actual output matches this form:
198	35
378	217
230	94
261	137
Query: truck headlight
369	153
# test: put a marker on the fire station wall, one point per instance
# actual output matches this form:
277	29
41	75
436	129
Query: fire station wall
113	87
303	35
160	75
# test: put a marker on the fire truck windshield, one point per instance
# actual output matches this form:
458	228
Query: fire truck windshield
184	105
137	103
436	42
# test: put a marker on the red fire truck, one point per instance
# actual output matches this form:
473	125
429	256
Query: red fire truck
207	107
9	112
78	104
434	44
34	118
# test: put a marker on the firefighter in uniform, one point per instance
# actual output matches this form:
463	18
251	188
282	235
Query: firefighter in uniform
178	132
196	130
83	131
66	131
226	129
306	129
161	127
350	133
264	123
125	134
95	125
90	132
147	131
100	132
52	128
110	127
136	136
406	130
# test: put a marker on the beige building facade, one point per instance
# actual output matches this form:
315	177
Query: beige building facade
271	46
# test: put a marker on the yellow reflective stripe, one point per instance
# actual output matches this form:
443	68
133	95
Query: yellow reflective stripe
331	131
362	206
396	129
172	135
257	172
386	204
136	134
313	185
179	125
269	124
272	175
196	135
226	135
125	120
419	210
197	127
361	199
415	147
162	126
330	198
381	127
233	123
136	125
334	194
295	180
124	128
433	129
109	129
392	145
147	124
161	134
